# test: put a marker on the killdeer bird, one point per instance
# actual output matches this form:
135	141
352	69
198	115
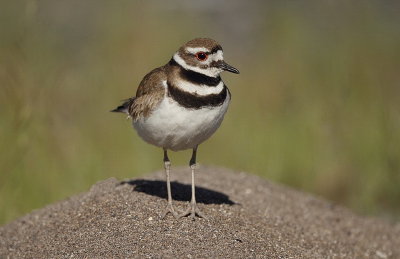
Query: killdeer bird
181	104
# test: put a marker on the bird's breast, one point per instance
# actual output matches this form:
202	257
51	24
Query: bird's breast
177	127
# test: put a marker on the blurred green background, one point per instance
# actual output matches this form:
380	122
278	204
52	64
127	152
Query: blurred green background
316	106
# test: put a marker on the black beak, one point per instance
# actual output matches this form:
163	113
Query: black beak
228	68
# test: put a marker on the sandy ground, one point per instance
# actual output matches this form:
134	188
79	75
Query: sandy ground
248	217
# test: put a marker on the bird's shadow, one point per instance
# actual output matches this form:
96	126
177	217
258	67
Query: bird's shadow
180	192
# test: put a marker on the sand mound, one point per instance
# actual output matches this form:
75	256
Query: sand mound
248	217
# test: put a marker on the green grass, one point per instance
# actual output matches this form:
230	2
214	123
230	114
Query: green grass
316	106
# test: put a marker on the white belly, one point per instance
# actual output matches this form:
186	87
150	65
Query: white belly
174	127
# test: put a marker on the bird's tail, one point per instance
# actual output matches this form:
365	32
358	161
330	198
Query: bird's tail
124	107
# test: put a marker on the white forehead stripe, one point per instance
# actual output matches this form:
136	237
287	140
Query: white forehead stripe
195	50
219	55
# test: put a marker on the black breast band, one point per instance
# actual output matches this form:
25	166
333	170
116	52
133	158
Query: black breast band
195	101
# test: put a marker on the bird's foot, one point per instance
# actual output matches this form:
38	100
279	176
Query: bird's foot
192	211
170	209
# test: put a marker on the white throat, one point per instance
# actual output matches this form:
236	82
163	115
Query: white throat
202	90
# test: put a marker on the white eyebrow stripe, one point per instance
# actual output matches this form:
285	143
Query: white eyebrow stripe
195	50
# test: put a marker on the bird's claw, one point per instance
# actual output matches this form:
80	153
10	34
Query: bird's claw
192	211
170	209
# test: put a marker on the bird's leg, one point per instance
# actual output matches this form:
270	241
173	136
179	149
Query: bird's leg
170	208
192	209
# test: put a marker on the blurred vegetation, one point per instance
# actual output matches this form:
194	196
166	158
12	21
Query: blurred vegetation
316	106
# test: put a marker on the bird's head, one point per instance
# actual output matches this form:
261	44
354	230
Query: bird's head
203	55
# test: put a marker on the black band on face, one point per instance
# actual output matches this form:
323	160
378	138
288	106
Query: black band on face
195	77
200	79
216	48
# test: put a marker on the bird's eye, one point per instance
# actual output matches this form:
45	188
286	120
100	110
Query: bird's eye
201	56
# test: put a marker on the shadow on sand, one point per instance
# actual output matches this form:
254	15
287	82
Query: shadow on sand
180	192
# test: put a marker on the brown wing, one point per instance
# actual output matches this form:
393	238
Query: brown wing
149	94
